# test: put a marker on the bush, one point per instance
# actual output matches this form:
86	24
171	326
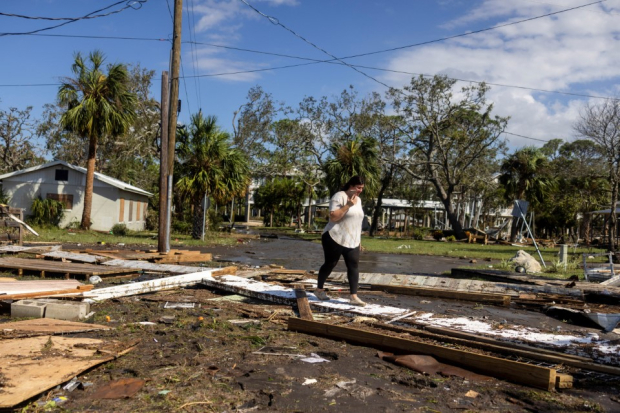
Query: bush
215	219
438	234
418	233
46	212
451	238
181	227
120	230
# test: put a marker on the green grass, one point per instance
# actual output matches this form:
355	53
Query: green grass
145	238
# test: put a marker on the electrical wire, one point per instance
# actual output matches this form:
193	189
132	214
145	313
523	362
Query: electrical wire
526	137
192	36
89	15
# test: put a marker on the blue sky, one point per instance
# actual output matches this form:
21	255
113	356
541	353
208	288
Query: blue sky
575	52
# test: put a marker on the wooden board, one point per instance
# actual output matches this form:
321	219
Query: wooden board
176	259
498	299
33	365
302	303
149	266
24	287
47	326
160	284
40	294
7	279
74	256
59	267
521	373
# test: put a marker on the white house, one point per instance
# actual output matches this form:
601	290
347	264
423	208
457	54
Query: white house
114	201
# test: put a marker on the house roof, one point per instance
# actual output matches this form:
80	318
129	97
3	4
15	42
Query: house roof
101	177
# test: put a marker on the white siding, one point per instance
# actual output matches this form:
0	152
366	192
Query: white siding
23	189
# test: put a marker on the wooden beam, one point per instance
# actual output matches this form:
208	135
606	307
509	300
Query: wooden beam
532	353
302	303
492	341
564	381
503	300
521	373
39	294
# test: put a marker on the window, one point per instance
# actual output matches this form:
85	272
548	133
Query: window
62	175
65	199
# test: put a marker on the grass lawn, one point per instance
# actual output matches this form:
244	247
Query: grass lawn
145	238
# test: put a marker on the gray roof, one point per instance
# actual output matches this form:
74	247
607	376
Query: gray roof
101	177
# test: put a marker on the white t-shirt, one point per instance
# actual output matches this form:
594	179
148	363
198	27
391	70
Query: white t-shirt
348	231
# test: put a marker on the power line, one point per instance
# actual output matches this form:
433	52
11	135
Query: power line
277	22
526	137
89	15
194	53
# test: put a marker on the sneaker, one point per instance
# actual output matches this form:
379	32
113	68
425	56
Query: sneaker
321	295
356	301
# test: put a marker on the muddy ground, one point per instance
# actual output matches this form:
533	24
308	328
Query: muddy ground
201	362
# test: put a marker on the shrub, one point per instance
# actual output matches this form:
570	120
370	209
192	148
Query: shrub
215	219
418	233
451	238
119	230
438	234
46	212
181	227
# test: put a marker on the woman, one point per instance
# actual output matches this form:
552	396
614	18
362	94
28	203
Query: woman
342	236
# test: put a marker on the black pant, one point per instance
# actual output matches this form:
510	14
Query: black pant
333	251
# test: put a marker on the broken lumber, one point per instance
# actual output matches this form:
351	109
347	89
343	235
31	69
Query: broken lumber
302	303
532	353
150	286
499	299
24	375
516	372
564	381
149	266
74	256
40	294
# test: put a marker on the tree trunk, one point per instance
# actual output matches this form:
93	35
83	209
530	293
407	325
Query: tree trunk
90	177
446	199
385	183
197	223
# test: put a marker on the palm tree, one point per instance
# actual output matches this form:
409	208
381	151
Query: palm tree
99	105
523	176
209	166
355	157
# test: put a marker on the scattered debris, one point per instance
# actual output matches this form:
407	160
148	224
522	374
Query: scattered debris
119	389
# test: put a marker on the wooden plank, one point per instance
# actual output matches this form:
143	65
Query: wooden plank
176	259
531	353
503	300
74	256
59	267
40	294
48	326
516	372
25	375
489	340
149	266
302	303
143	287
20	287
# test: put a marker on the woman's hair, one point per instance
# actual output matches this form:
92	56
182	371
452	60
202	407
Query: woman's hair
354	181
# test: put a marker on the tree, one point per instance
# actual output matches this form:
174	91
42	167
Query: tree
601	124
525	175
358	156
208	167
447	137
17	149
98	105
131	157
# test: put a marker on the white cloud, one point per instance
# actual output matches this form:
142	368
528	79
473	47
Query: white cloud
567	52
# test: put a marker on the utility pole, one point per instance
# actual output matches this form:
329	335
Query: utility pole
172	119
162	235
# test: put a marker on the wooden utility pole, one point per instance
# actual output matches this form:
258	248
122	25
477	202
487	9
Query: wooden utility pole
162	234
175	64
